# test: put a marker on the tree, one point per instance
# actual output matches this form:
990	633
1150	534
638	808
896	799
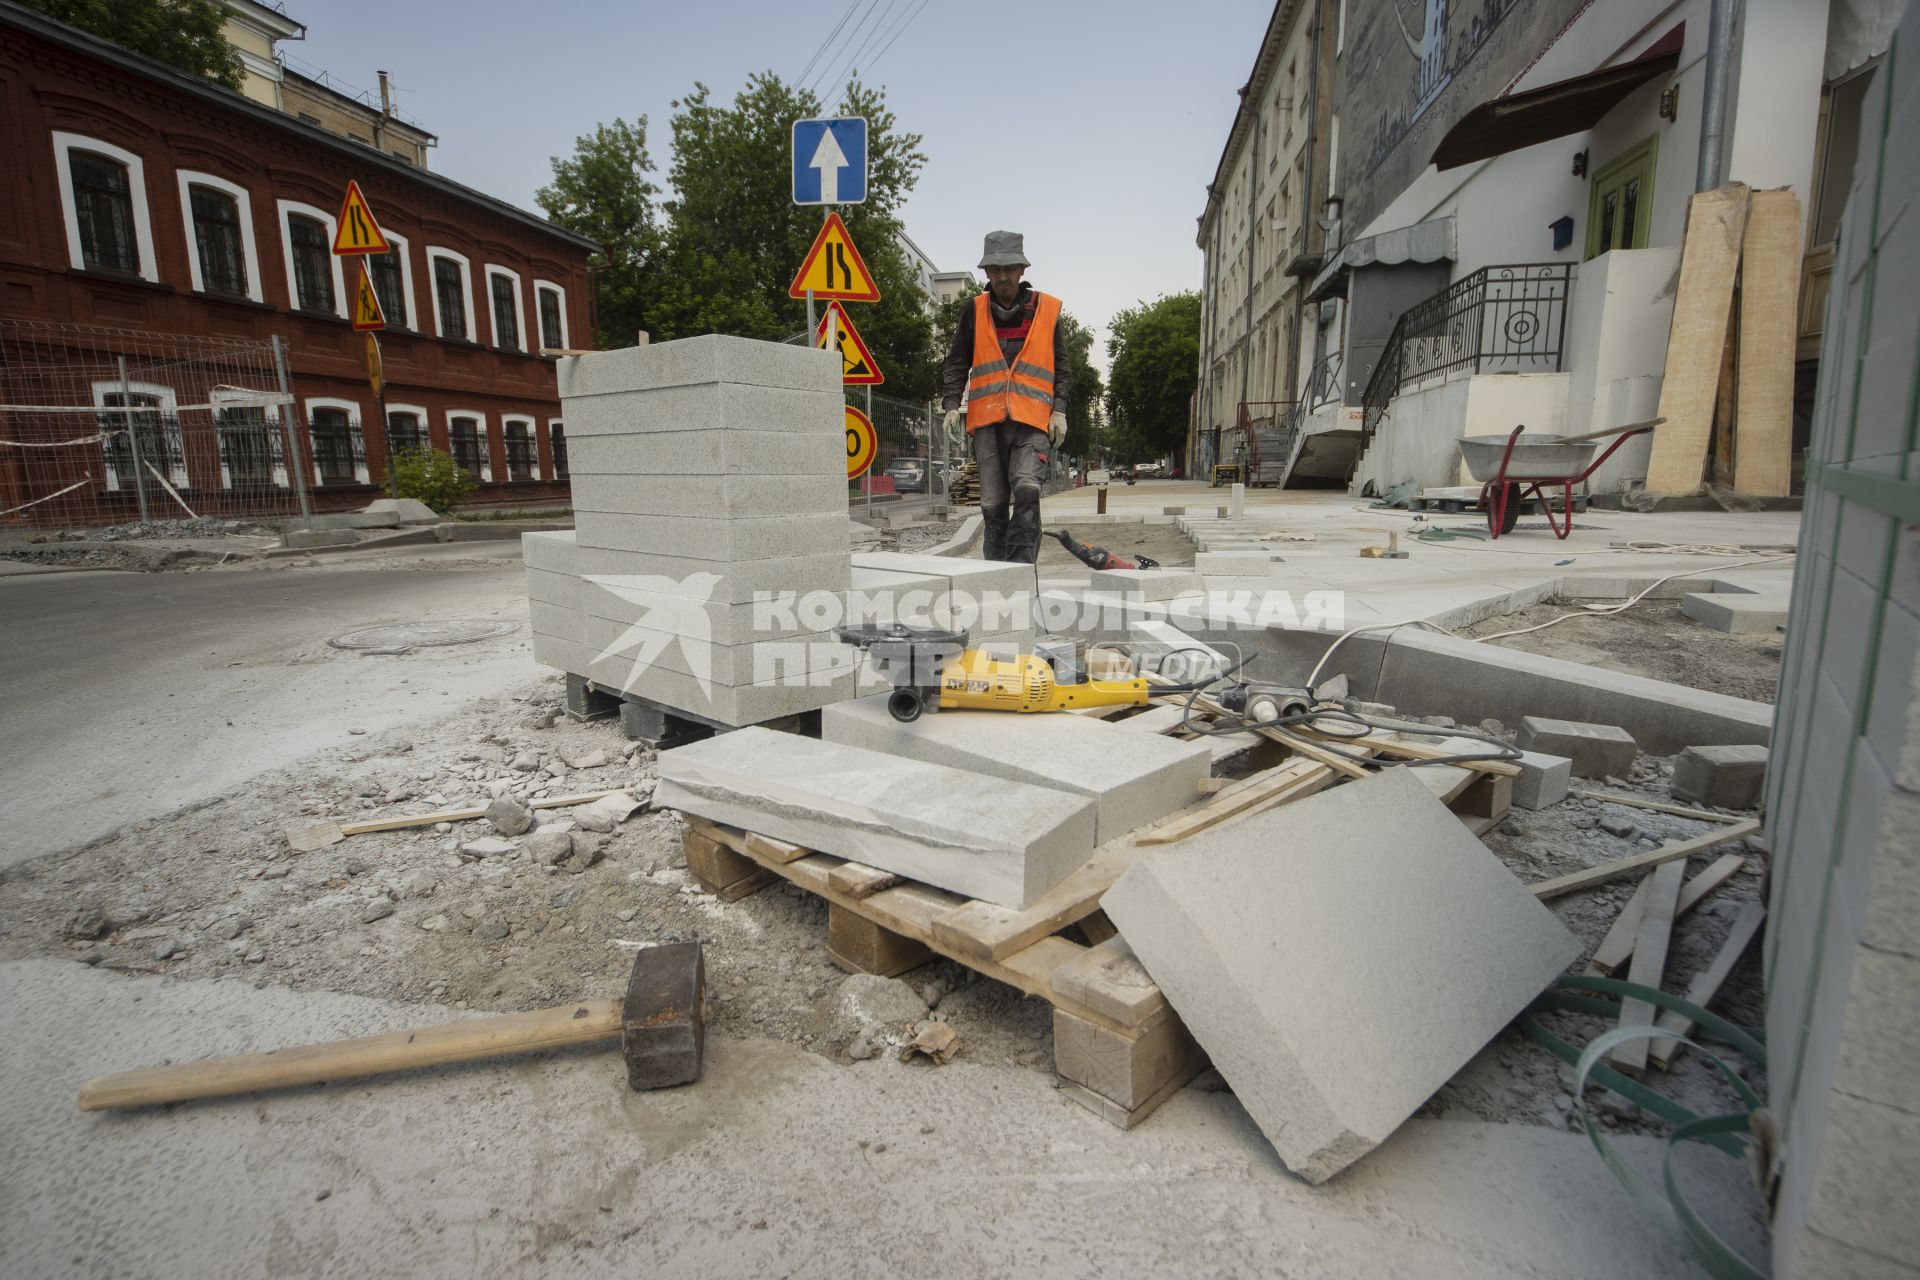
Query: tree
735	238
1154	354
188	34
603	192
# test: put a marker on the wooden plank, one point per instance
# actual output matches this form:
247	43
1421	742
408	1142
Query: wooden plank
983	931
1281	783
1338	761
1677	810
1490	796
1109	979
1115	1114
1649	961
1707	983
1769	325
1617	947
1097	929
1125	1069
1392	744
774	850
1696	344
1641	861
858	945
720	869
318	836
858	880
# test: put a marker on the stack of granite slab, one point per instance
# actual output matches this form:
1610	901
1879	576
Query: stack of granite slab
706	474
709	563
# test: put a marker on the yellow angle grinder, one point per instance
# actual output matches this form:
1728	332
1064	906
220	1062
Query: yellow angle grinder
933	670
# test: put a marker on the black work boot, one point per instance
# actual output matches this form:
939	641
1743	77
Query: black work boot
993	534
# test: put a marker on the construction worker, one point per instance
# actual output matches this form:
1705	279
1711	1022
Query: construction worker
1007	357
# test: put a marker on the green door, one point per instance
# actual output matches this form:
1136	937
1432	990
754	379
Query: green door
1620	211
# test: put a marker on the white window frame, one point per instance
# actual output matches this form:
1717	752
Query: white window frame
354	414
466	291
287	208
63	145
269	413
519	309
486	449
532	425
176	476
243	202
550	286
552	472
400	250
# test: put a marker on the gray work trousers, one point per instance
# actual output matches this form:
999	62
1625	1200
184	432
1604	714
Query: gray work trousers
1013	463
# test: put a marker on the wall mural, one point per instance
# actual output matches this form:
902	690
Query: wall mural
1413	68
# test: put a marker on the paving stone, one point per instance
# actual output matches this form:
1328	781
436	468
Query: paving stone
1132	778
1731	777
1740	614
988	838
720	539
1146	584
1336	971
1543	780
733	452
700	497
693	361
1254	564
741	582
1595	750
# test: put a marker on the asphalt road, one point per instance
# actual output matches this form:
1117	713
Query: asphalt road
127	695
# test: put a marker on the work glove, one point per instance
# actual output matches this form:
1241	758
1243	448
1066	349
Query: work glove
951	422
1057	429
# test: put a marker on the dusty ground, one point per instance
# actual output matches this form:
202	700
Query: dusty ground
1652	639
412	916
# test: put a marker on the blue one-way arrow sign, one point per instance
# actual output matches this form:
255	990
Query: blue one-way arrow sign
830	160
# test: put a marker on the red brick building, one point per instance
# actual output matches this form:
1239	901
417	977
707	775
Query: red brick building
136	197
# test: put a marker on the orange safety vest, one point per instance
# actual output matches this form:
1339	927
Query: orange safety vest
1022	391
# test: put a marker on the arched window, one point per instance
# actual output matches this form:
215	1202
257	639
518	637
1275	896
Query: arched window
312	263
103	206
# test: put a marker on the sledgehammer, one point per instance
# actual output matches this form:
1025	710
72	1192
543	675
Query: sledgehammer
661	1027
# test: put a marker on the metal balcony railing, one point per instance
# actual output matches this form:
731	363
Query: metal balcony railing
1505	319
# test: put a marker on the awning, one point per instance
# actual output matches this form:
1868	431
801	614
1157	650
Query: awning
1431	241
1553	111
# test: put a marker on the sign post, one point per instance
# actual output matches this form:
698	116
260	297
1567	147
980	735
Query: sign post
357	232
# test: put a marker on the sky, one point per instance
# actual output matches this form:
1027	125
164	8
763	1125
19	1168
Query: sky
1092	128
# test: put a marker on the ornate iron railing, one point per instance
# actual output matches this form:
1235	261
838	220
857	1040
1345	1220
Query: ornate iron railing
1506	319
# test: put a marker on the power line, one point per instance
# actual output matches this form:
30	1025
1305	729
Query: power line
845	43
897	34
873	32
851	6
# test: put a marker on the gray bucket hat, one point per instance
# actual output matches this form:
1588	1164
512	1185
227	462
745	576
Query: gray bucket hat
1005	249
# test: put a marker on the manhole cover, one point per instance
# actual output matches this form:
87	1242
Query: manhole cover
399	637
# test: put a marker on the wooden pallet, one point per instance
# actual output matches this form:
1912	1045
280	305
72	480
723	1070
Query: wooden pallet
1119	1049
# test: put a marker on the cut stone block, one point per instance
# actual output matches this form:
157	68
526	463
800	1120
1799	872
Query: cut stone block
1132	778
708	453
700	497
741	582
692	361
303	539
1543	780
720	406
1165	649
774	616
1335	967
618	645
403	510
1245	563
1595	750
723	704
1736	613
988	838
1729	777
1145	584
720	540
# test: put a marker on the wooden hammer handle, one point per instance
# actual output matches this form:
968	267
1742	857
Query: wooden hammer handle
462	1041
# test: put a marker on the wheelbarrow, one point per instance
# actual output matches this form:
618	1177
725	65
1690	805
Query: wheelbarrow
1513	470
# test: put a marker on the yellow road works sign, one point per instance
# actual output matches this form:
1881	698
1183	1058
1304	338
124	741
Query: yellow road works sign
357	232
862	443
367	315
857	366
373	364
833	268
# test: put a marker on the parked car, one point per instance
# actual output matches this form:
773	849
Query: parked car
909	475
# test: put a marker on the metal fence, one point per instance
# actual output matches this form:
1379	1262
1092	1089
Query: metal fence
106	426
1506	319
